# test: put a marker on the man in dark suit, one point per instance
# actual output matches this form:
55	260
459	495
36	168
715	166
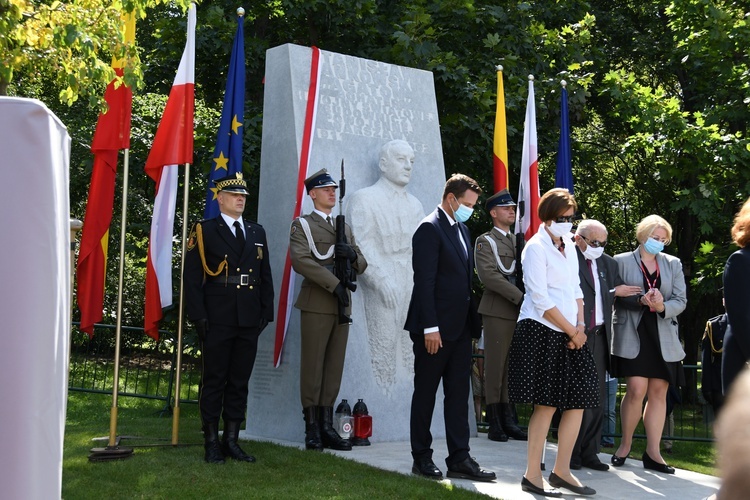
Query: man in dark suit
228	293
441	321
495	255
600	283
312	247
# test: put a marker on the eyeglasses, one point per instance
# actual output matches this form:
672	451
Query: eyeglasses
594	243
565	218
660	240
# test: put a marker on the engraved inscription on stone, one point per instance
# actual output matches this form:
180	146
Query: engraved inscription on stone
361	98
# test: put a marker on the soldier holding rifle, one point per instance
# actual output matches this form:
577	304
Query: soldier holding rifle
324	302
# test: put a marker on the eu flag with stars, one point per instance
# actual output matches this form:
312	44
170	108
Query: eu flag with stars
564	171
227	157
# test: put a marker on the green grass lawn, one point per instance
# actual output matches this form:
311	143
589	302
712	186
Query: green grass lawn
169	472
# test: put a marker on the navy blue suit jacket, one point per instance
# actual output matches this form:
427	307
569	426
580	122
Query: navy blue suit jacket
443	275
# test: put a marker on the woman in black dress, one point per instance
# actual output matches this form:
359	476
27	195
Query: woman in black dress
646	348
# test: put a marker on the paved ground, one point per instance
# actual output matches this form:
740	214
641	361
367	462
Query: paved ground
508	461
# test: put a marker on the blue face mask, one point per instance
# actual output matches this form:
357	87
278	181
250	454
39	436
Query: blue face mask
462	213
653	246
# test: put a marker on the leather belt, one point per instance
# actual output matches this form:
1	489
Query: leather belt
241	280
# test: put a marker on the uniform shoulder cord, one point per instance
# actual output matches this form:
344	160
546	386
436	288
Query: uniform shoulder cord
223	265
709	332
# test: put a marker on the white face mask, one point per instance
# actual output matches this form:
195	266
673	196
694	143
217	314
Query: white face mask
560	229
593	253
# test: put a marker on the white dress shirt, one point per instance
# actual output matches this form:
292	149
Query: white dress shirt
551	279
230	222
599	311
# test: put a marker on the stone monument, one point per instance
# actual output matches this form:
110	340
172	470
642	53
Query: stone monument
384	217
361	106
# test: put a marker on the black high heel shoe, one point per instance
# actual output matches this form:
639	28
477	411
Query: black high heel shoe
618	461
651	464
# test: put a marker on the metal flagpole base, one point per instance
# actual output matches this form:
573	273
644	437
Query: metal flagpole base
110	453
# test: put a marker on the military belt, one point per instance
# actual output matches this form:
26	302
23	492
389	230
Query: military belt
241	279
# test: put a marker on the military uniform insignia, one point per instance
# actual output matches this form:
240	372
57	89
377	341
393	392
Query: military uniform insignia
192	239
479	247
294	229
260	253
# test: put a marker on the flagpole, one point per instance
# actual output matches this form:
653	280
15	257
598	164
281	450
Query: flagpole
181	311
113	451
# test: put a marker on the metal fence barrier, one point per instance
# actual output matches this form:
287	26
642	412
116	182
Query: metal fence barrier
147	370
147	367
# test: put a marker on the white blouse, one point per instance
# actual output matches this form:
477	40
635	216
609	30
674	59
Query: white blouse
551	279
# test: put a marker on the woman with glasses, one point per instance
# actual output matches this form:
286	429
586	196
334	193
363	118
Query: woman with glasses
549	362
646	348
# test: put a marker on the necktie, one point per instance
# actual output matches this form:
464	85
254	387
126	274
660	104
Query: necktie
461	240
592	318
329	221
239	234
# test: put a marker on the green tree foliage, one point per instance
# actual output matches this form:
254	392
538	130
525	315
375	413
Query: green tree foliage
659	97
672	97
70	43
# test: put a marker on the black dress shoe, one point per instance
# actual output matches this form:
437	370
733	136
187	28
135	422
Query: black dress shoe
618	461
469	469
527	485
595	464
427	468
559	482
651	464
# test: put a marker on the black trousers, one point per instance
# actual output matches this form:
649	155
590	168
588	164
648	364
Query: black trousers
589	440
452	365
228	359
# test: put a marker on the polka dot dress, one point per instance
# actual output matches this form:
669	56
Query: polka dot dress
543	371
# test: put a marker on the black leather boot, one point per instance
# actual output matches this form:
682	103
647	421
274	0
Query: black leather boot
229	443
507	416
211	443
312	429
328	434
496	432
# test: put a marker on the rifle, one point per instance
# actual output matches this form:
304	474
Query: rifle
520	243
342	268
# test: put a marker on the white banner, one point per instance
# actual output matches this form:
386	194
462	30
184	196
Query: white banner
34	298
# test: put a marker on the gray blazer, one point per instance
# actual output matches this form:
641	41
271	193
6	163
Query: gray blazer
628	312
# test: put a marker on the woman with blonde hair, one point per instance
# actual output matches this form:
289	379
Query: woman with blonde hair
646	347
737	301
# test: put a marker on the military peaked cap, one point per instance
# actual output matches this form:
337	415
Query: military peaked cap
320	179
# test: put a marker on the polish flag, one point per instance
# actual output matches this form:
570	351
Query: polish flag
173	145
527	217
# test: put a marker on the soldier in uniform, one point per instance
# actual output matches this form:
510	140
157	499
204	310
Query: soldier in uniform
228	294
312	246
495	257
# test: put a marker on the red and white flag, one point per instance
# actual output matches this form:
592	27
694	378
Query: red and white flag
288	279
527	217
173	145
